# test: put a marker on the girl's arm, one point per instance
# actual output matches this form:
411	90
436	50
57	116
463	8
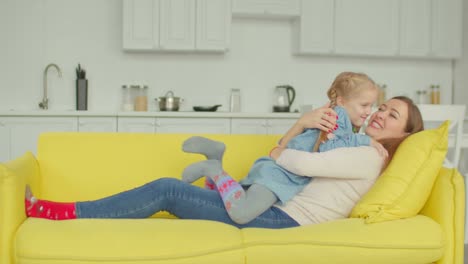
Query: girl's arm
346	163
323	118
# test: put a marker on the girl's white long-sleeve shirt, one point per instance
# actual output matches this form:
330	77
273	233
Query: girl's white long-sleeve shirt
341	177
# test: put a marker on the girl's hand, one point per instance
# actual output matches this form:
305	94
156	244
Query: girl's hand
276	152
323	118
382	151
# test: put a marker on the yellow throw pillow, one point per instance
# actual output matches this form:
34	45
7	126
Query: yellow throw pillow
403	188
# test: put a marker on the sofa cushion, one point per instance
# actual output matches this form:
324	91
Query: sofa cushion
95	241
87	166
128	241
413	240
403	188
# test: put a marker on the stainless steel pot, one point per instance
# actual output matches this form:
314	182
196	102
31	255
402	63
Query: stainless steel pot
169	102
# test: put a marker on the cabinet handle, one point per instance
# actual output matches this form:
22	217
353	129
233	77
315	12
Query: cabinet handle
81	124
157	124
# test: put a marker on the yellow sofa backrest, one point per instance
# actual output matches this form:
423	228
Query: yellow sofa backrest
84	166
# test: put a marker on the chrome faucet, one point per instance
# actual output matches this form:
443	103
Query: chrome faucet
44	104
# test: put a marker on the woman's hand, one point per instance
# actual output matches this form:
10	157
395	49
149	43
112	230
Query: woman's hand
382	151
323	118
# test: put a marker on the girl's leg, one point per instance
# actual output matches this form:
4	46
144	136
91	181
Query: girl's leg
242	206
210	149
178	198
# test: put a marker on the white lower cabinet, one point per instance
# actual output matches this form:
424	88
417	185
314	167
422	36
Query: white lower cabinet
188	125
136	124
193	125
97	124
261	126
20	134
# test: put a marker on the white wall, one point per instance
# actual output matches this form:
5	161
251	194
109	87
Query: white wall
35	33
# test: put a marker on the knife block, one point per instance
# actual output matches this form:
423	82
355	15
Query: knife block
81	94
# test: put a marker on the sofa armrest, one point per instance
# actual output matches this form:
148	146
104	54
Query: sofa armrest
14	175
446	205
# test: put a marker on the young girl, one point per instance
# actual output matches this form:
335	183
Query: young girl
351	96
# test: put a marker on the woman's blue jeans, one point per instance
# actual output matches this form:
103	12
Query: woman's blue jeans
179	198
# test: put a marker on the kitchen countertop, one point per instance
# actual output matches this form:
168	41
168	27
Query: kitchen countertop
65	113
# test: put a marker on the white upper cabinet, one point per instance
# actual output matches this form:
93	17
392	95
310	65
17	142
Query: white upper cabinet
213	25
447	28
266	8
387	28
415	27
176	25
140	24
431	28
366	27
313	31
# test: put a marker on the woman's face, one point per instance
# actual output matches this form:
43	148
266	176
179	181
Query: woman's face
389	121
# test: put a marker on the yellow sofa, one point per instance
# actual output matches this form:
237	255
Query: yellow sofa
85	166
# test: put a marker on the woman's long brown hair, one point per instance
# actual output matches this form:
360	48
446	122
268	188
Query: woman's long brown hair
414	124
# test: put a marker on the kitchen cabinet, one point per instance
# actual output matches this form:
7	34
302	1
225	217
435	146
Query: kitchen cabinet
136	124
415	28
266	8
174	125
97	124
367	27
20	134
446	28
388	28
313	32
213	25
140	24
176	25
431	28
193	125
261	126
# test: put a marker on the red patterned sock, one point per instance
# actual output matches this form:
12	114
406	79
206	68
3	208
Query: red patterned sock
209	184
48	209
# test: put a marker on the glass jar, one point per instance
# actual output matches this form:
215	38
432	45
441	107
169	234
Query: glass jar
382	94
421	96
235	100
141	98
435	94
127	99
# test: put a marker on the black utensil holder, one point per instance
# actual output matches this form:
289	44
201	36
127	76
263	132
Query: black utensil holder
81	94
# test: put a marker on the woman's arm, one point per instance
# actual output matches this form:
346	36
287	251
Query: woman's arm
323	118
346	163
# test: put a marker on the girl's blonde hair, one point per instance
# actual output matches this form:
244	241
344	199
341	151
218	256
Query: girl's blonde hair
345	85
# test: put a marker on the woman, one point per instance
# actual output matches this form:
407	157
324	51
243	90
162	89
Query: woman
397	118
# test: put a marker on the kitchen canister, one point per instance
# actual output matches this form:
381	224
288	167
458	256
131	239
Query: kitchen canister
141	98
127	99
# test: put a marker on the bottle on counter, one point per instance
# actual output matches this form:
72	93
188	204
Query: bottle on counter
127	99
235	102
382	94
421	95
141	98
435	94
